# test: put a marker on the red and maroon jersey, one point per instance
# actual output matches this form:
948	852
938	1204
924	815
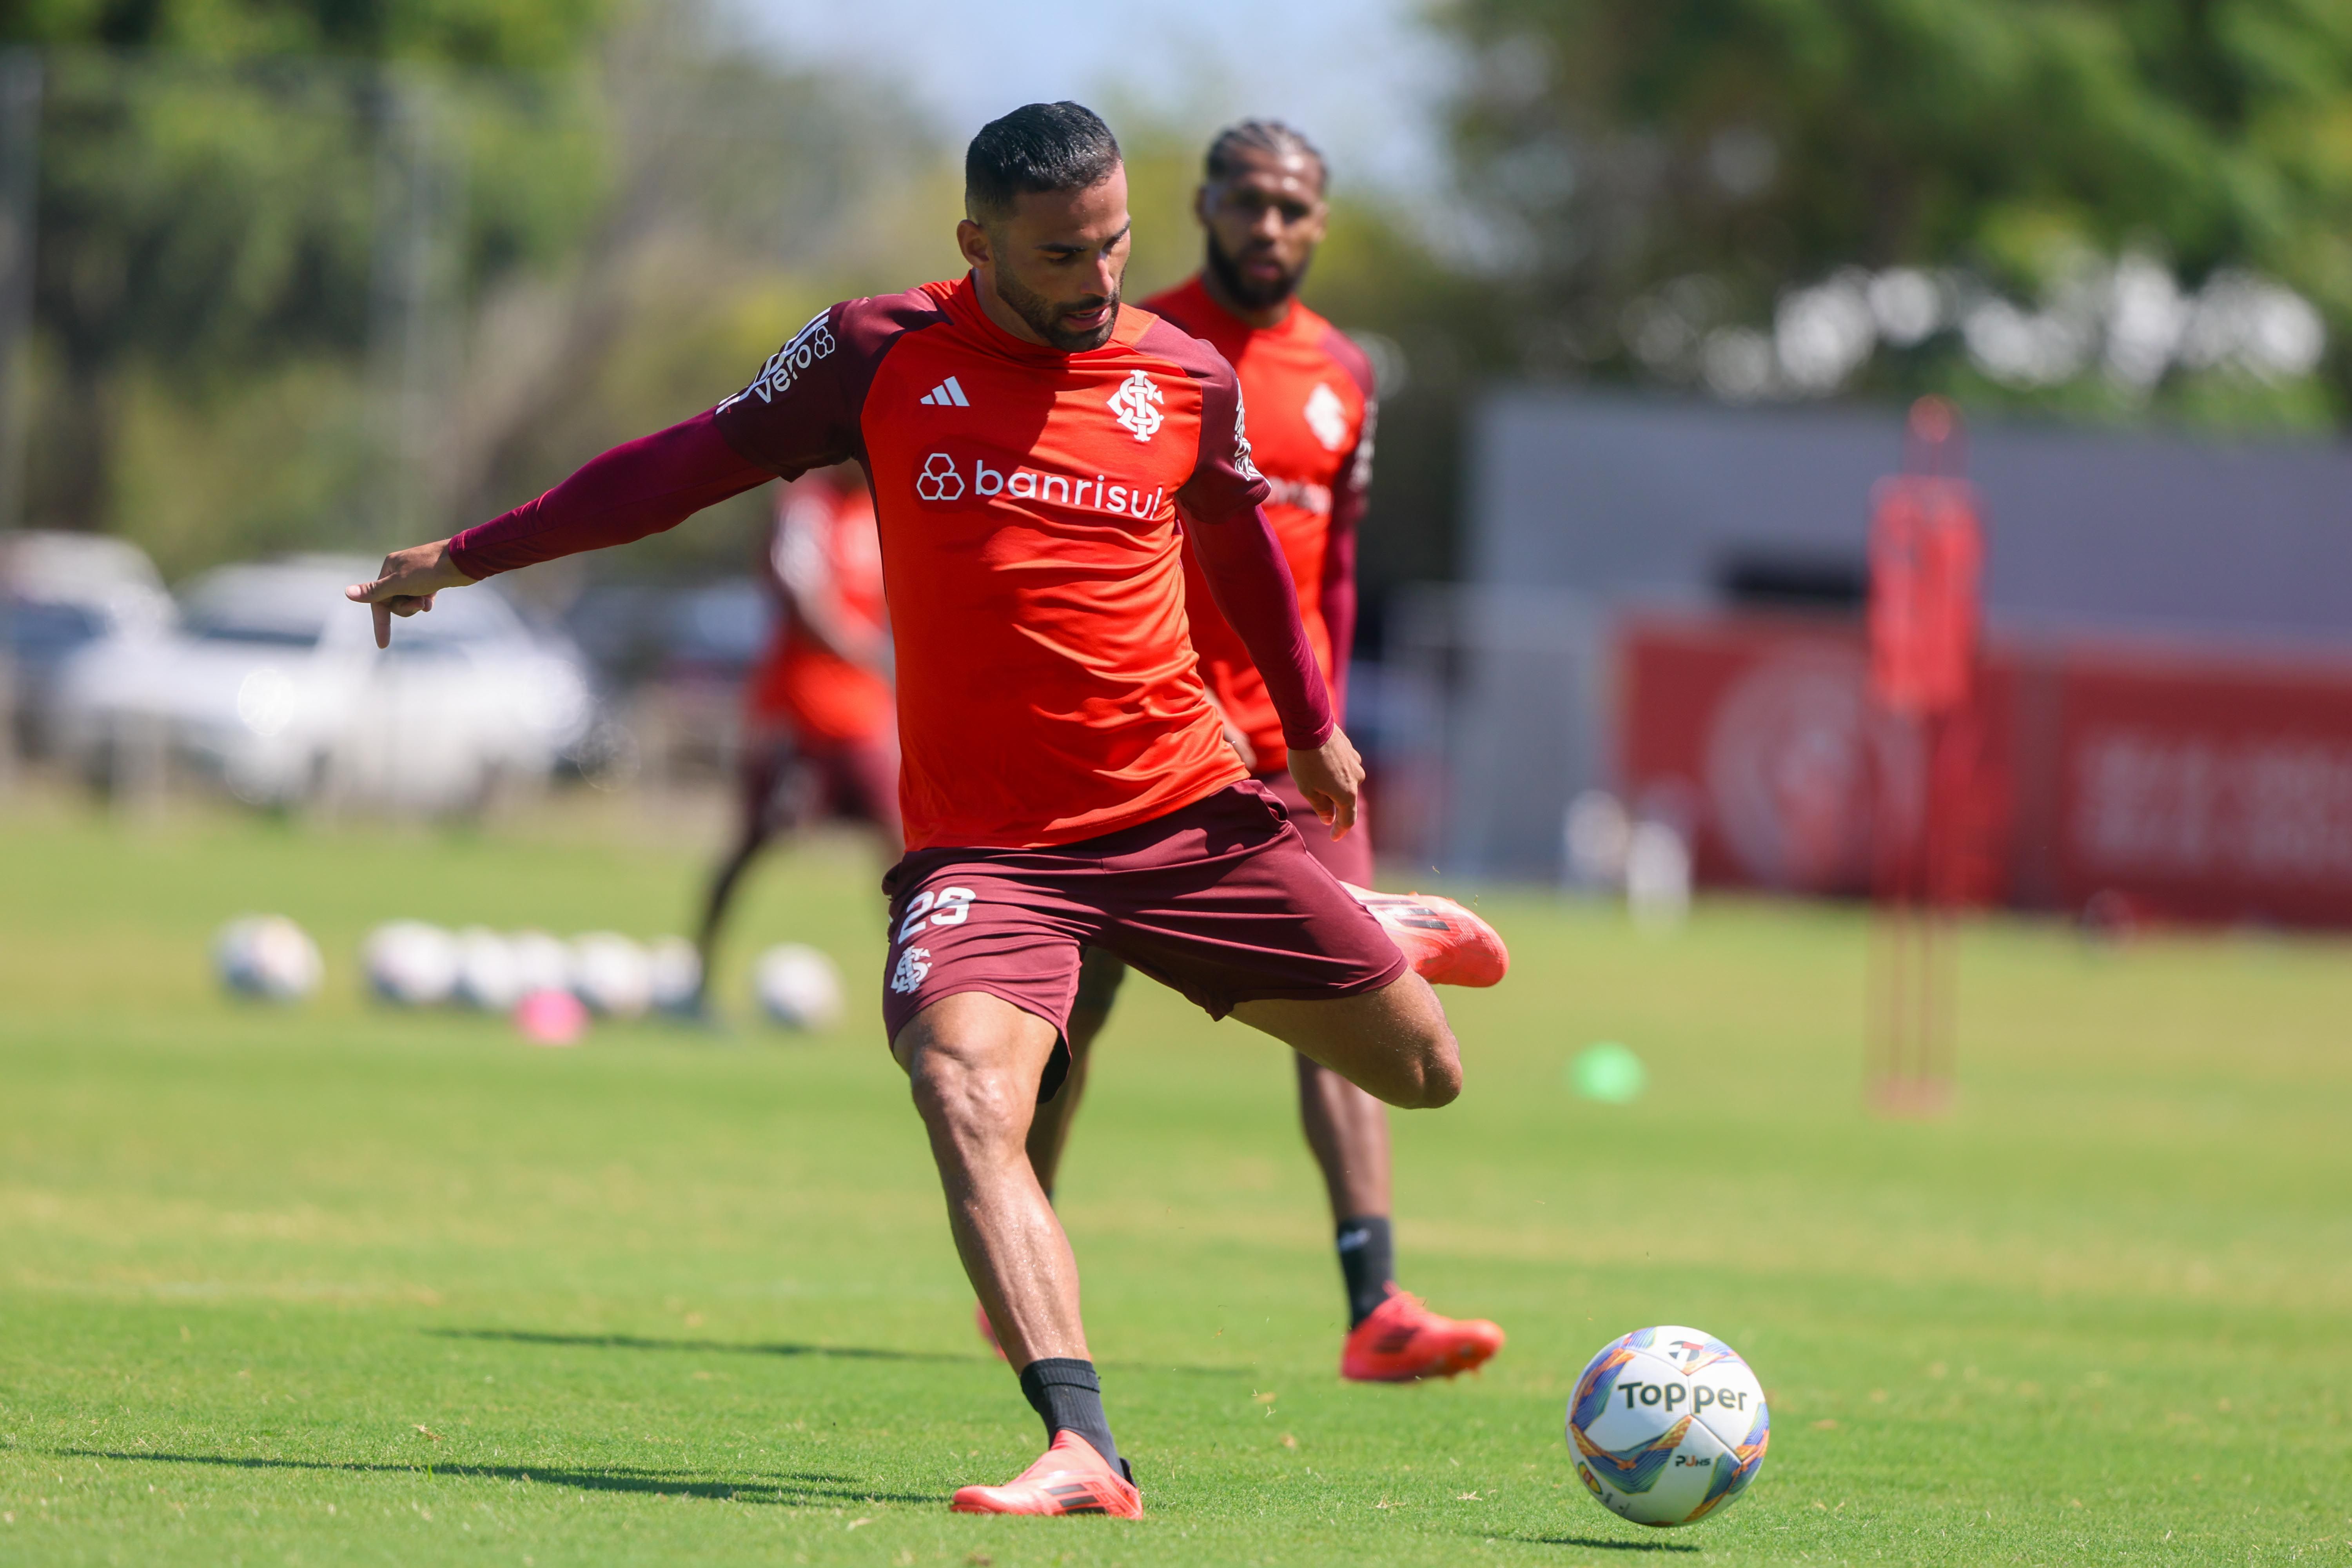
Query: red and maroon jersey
1026	500
1028	504
823	551
1311	410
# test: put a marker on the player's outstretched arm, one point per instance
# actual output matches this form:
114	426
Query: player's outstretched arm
653	483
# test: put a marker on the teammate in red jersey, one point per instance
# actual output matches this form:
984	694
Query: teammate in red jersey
819	736
1065	782
1312	407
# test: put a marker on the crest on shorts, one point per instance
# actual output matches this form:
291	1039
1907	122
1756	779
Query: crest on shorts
1136	403
914	968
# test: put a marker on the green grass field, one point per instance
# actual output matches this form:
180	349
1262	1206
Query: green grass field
337	1284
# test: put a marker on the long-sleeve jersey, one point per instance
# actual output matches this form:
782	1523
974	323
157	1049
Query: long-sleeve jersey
1027	503
1311	412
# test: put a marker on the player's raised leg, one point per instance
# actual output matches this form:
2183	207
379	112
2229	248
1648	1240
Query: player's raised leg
1393	1043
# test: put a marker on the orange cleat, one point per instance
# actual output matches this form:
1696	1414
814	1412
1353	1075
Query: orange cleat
1071	1477
988	1331
1404	1341
1446	944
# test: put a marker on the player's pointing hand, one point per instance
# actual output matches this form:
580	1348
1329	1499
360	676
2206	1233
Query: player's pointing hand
1330	776
406	584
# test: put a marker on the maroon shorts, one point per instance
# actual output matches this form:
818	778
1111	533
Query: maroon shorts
1221	900
1348	858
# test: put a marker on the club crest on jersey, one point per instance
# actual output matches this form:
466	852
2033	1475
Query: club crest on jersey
1136	403
1327	416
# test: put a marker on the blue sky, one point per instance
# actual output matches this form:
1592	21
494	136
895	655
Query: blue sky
1362	78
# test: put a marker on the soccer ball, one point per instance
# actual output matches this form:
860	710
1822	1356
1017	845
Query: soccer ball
677	974
1667	1425
611	974
267	956
410	963
542	963
487	976
798	986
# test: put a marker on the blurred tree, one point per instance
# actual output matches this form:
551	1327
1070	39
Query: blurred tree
1643	169
745	196
209	185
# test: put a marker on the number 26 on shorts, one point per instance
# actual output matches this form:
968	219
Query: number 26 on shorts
947	906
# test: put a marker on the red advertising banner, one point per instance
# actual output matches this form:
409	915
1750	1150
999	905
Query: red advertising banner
2183	782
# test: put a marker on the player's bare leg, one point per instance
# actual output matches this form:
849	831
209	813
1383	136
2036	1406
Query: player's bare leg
1348	1131
974	1062
765	780
1391	1336
715	904
1392	1043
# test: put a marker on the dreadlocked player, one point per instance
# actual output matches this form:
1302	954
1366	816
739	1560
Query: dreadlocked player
1312	404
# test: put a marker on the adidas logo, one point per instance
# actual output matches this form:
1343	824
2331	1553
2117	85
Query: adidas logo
946	395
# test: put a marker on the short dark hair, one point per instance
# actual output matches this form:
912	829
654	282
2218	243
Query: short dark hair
1271	137
1038	147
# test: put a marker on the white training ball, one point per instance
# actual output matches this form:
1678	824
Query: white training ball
1666	1426
798	986
1657	876
542	963
611	974
489	977
267	956
677	974
410	963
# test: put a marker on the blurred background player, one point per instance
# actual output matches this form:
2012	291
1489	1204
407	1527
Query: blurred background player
1311	404
820	736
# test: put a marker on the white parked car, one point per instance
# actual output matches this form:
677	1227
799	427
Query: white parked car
58	594
272	682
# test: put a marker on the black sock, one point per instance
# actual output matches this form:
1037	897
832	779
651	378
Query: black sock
1067	1394
1368	1259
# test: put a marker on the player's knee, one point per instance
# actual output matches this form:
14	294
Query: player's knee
1441	1077
964	1099
1435	1055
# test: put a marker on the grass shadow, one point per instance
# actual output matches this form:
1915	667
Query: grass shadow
1604	1543
717	1347
801	1488
726	1347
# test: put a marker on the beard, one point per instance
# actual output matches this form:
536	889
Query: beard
1042	317
1249	293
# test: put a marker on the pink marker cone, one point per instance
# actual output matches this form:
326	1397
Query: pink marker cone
550	1017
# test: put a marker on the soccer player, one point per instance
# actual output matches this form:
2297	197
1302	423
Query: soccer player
1064	779
819	738
1311	401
